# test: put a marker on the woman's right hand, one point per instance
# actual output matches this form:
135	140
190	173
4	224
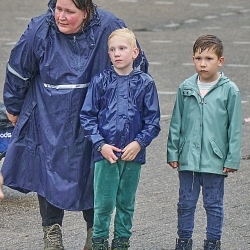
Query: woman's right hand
1	183
13	118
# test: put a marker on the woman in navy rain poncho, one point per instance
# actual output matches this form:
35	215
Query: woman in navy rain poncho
47	77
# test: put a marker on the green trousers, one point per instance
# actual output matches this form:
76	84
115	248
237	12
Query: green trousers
115	186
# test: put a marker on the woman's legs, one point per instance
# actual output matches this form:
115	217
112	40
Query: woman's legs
51	221
50	214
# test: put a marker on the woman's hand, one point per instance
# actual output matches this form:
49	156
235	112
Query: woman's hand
1	183
12	118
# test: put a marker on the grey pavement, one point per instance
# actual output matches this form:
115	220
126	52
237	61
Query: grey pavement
166	31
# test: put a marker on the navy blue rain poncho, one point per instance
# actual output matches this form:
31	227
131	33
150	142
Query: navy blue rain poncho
46	82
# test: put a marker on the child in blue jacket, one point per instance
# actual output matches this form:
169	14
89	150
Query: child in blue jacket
121	116
204	141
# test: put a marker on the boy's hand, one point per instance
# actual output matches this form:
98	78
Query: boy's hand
229	170
107	152
174	164
131	151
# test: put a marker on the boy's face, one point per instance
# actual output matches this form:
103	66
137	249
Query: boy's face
207	64
122	54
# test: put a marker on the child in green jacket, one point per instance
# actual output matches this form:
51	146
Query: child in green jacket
204	141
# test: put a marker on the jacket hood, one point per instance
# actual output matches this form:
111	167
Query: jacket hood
52	4
193	79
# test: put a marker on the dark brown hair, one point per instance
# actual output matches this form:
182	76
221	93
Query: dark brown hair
86	5
209	42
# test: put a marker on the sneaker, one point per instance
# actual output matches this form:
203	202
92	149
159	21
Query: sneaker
99	244
120	244
88	242
183	244
212	245
53	237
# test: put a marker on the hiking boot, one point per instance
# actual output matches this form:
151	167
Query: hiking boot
100	244
53	237
212	245
88	242
120	244
183	244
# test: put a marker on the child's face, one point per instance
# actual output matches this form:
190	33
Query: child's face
122	54
207	64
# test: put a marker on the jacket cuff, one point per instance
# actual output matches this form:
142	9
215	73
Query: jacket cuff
141	142
99	144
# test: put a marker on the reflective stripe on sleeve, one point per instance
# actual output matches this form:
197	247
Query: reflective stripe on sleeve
66	86
12	71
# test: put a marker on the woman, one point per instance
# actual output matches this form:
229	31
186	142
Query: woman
46	82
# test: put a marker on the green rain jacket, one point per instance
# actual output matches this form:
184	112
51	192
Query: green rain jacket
205	133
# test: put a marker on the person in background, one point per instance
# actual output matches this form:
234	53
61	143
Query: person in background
121	116
47	78
204	141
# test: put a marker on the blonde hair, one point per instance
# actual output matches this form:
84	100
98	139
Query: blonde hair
125	32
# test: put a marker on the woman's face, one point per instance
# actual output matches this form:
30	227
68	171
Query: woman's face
69	18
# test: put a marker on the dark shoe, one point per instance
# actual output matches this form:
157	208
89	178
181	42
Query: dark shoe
88	242
99	244
53	237
120	244
184	244
212	245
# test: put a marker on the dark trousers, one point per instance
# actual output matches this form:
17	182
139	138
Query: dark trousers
212	191
53	215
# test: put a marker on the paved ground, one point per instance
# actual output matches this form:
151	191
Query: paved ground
166	31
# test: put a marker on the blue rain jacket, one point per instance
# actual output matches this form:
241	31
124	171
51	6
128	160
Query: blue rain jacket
120	109
46	82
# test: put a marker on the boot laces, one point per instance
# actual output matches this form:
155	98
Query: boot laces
54	235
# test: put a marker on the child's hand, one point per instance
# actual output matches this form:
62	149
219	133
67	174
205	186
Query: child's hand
1	183
108	152
131	151
229	170
173	164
